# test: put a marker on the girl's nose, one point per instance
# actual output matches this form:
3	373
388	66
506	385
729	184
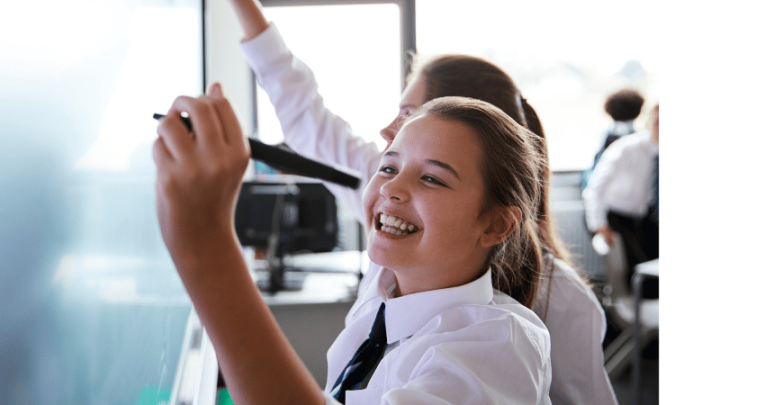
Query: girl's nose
395	189
389	132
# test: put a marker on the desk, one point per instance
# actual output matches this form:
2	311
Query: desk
311	318
324	278
643	271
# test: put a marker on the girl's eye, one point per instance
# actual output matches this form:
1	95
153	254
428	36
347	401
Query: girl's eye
433	180
388	169
402	117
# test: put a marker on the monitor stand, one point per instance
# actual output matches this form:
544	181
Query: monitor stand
278	277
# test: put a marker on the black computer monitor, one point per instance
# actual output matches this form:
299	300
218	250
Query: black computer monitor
304	213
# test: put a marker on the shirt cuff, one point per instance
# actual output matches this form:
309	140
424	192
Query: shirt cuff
596	222
264	48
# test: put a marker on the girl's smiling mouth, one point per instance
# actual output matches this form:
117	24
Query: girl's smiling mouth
394	225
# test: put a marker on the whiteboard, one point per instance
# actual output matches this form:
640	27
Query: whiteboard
91	308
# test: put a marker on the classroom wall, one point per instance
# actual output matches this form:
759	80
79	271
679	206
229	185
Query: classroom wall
311	329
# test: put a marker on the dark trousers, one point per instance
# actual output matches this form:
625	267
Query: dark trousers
641	244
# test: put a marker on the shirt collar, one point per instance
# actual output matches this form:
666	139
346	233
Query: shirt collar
651	145
372	290
404	316
622	127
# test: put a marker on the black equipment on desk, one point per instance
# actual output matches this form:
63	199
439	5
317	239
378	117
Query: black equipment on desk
286	218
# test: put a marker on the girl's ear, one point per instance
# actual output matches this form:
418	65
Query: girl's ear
501	223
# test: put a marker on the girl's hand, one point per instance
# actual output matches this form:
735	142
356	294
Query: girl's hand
608	235
199	173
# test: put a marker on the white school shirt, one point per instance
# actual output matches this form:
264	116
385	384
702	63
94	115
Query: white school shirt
469	344
619	128
622	181
312	130
577	325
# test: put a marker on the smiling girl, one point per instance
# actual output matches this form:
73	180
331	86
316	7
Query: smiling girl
566	304
451	219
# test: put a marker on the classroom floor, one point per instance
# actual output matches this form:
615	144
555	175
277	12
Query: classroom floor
649	380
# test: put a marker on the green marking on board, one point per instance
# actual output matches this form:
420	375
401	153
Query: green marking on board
154	396
161	396
224	398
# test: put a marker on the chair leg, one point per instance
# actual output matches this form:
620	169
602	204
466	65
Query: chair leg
623	338
617	354
620	360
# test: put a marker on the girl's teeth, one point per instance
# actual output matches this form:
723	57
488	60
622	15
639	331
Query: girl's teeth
395	225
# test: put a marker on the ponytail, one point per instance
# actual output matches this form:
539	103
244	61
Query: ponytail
552	244
548	228
517	263
532	119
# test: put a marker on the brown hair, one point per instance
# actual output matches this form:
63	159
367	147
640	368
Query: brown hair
511	169
624	105
468	76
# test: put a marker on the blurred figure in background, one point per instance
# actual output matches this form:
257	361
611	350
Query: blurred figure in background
623	196
623	107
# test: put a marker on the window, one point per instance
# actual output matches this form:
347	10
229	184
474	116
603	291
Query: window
566	57
355	52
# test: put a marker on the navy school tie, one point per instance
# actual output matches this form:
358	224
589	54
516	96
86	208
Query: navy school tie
363	362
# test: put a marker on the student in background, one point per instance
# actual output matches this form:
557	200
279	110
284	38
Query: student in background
623	107
623	196
570	310
463	180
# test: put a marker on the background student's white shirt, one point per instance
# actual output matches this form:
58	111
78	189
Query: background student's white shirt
577	325
314	131
469	344
622	180
309	128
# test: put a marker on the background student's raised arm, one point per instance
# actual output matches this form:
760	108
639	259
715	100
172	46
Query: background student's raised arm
250	15
309	127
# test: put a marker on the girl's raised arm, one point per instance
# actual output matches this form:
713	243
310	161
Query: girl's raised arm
250	14
198	179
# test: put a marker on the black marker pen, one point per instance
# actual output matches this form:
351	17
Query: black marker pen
290	162
185	120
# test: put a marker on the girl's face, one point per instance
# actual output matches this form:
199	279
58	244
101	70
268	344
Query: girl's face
412	98
424	206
